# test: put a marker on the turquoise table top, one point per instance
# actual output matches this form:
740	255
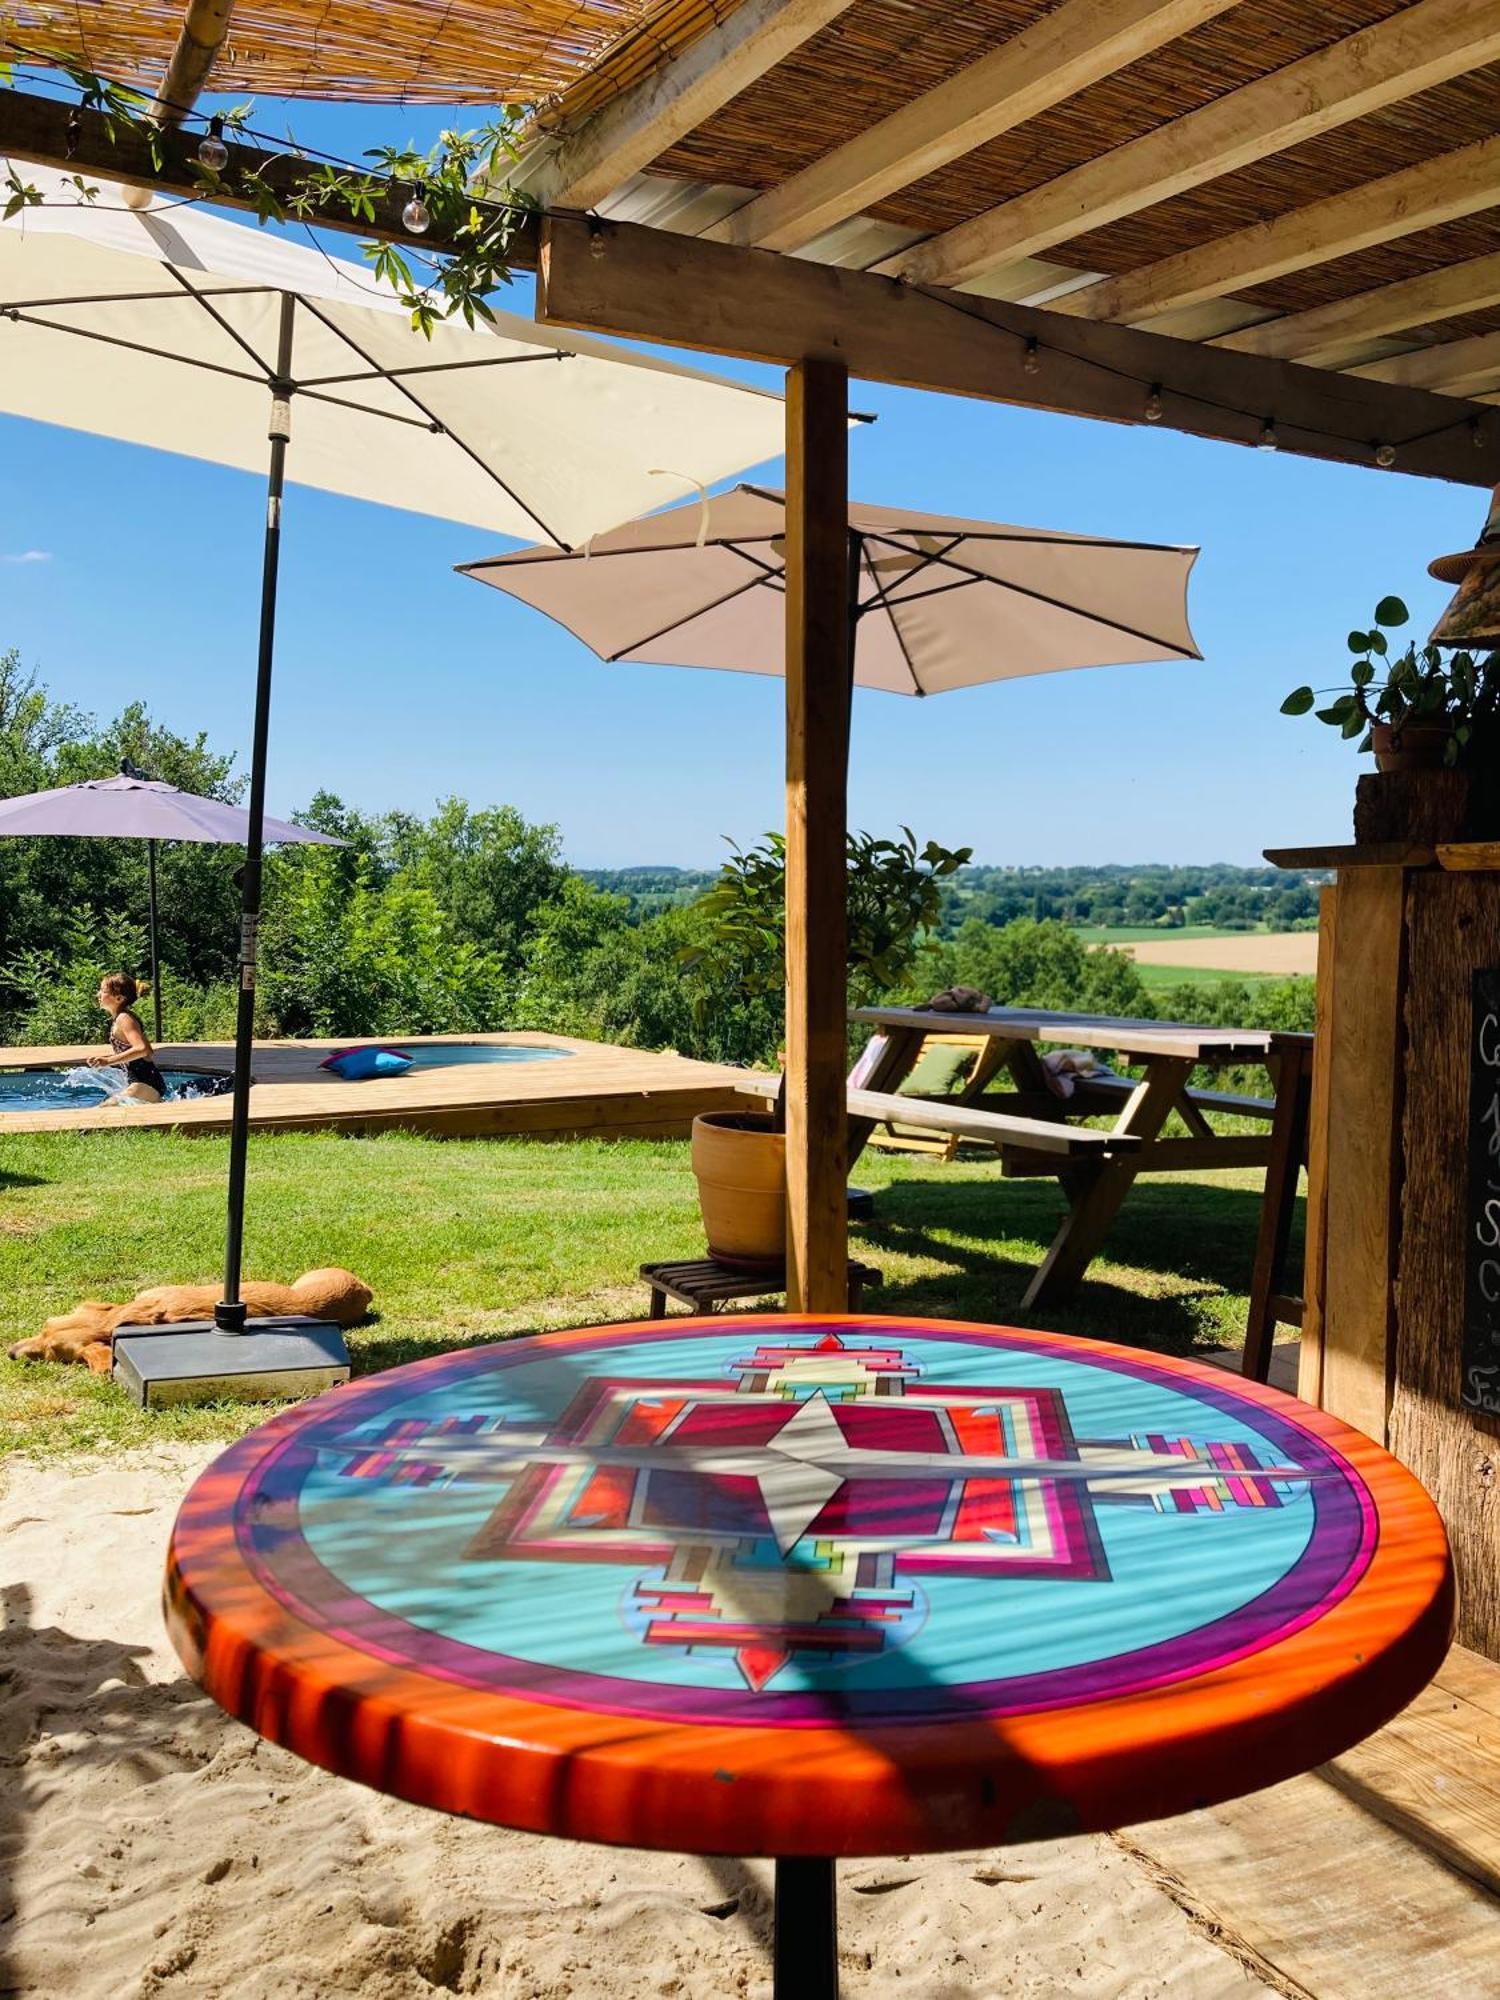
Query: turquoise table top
810	1586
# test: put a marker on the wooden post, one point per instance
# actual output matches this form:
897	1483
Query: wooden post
817	759
1362	1170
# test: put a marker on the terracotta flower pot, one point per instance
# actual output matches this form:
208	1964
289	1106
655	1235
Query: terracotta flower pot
740	1160
1410	746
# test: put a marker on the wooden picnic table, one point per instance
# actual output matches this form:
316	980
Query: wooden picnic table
1097	1182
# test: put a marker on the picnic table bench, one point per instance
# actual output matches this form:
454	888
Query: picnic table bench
1053	1139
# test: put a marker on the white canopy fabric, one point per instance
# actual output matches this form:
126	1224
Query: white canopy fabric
159	326
943	603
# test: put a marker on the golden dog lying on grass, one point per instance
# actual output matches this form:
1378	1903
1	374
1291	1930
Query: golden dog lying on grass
86	1332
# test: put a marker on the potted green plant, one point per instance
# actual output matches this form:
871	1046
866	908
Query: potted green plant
894	897
1417	710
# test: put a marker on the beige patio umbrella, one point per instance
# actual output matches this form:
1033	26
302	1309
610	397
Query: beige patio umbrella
935	603
175	328
939	603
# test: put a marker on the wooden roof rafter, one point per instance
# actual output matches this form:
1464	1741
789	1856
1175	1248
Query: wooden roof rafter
1076	44
579	167
1442	189
1424	45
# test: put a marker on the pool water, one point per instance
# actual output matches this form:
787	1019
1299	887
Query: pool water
444	1055
81	1089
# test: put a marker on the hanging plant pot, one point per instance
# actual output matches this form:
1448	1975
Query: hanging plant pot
739	1159
1409	746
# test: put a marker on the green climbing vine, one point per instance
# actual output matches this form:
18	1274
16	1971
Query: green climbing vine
476	233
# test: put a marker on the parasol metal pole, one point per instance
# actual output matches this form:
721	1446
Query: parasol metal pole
151	905
230	1314
817	757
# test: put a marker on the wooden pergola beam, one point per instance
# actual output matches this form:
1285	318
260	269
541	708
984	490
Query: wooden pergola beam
1464	182
1075	45
577	169
1323	333
1424	45
41	131
649	284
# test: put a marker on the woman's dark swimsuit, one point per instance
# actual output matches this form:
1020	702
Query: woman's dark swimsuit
142	1069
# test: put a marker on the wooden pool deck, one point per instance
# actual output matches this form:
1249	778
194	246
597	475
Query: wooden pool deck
601	1090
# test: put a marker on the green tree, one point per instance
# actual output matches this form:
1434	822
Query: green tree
1028	963
490	870
377	959
894	899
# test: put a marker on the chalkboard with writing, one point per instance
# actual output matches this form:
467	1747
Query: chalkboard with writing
1480	1385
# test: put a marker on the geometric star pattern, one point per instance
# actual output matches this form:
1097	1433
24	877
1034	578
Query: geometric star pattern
791	1508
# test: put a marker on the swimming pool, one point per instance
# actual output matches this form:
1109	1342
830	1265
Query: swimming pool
83	1089
444	1055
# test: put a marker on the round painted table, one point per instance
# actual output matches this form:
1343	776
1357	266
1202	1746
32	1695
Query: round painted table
809	1587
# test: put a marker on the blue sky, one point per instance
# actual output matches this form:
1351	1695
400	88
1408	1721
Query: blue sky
127	574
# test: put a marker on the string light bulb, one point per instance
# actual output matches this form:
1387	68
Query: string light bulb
1385	456
1268	440
1031	360
1152	411
212	152
416	217
1477	436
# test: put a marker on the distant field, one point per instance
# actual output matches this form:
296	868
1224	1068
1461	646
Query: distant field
1141	933
1155	978
1276	952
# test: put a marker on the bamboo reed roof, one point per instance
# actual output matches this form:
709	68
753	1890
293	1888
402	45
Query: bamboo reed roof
491	52
874	58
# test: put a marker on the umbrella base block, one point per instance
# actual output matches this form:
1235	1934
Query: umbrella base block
276	1360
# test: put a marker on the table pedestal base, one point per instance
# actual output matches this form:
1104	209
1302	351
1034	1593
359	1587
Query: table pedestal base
806	1951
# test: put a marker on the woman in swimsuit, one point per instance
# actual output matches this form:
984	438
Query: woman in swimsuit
144	1082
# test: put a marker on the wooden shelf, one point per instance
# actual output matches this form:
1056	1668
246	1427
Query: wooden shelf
1461	856
1373	854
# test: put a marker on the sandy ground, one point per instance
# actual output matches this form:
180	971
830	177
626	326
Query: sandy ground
1255	951
150	1846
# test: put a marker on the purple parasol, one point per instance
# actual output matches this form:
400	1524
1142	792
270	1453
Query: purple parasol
127	808
130	807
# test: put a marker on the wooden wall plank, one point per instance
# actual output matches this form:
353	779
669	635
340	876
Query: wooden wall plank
1315	1251
1363	1151
1455	930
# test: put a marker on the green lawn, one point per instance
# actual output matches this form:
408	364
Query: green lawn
466	1242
